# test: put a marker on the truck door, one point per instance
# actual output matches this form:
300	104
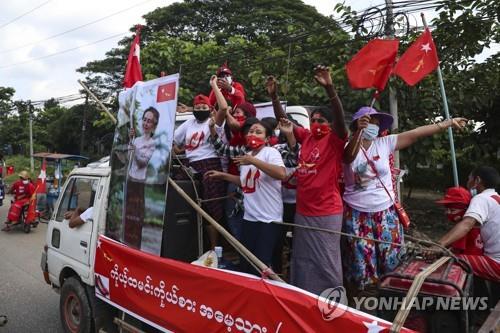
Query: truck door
74	243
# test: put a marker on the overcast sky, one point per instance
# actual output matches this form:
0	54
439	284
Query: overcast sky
24	39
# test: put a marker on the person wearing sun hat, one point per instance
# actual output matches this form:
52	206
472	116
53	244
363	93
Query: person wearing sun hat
456	201
22	190
369	193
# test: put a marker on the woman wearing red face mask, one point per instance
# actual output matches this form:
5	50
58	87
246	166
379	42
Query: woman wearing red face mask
456	201
261	172
316	261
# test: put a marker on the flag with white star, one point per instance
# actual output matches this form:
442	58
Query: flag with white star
419	60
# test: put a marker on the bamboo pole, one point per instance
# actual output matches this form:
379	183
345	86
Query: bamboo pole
99	103
260	265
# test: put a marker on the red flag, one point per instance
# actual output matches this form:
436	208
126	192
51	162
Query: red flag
419	60
166	92
372	65
31	214
133	72
42	177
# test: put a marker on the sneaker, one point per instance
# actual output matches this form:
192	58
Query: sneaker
6	228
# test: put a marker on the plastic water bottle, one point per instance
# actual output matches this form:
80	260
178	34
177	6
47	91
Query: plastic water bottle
220	261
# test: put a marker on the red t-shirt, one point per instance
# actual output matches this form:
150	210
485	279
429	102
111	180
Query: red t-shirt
470	243
22	191
318	174
237	98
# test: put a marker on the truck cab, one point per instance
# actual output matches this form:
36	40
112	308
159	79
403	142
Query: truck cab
69	254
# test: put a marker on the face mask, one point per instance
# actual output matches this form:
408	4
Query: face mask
371	132
240	119
473	191
276	132
201	115
320	130
254	142
26	182
229	79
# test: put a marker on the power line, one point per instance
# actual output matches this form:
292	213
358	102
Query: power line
75	28
63	51
24	14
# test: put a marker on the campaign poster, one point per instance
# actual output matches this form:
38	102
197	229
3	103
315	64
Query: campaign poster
140	163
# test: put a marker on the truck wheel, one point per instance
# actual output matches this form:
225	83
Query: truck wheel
74	307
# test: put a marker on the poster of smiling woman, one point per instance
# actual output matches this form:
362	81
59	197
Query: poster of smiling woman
140	162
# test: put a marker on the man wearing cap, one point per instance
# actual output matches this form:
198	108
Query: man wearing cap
456	201
484	210
22	190
193	137
231	90
369	194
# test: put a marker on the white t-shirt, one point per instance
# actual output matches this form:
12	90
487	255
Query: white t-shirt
262	193
485	208
193	136
363	190
87	214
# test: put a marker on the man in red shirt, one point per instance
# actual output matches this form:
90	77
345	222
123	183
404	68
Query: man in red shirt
22	191
316	261
231	90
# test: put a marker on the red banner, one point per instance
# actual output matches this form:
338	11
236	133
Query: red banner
179	297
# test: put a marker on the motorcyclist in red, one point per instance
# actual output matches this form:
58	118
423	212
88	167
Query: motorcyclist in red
22	191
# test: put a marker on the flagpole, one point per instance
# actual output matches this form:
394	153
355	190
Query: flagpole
447	114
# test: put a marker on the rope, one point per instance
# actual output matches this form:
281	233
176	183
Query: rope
418	241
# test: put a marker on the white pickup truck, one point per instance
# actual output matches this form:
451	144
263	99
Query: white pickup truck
68	256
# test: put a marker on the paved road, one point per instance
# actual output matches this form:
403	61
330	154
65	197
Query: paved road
30	304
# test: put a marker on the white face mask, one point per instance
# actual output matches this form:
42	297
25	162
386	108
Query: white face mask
473	191
371	132
229	79
25	182
276	132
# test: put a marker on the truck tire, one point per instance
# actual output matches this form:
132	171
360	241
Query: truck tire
74	307
102	313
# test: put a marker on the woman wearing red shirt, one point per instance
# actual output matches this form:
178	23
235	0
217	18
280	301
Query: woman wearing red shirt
316	261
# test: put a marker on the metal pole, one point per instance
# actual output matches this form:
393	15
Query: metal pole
393	100
447	114
30	111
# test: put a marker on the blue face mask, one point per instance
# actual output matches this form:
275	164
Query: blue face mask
371	132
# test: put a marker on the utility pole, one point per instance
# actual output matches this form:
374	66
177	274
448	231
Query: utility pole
393	100
84	121
30	112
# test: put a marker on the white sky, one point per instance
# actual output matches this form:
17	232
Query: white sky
56	76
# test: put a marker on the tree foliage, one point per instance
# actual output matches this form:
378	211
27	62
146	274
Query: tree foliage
287	38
